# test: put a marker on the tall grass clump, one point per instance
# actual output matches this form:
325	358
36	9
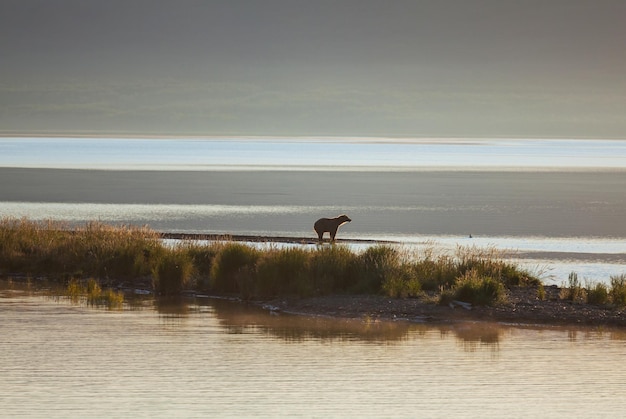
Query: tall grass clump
400	283
489	262
117	251
618	290
597	294
443	271
233	269
283	272
202	257
380	268
574	291
332	269
94	249
473	287
385	269
173	272
434	273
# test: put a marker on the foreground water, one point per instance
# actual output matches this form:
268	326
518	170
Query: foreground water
559	204
212	358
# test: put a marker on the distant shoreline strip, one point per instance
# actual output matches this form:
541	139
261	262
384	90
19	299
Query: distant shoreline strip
262	239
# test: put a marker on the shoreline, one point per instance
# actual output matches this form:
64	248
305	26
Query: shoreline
266	239
522	308
531	303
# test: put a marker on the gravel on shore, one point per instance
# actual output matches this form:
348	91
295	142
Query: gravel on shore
522	307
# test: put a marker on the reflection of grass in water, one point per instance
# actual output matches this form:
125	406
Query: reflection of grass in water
239	318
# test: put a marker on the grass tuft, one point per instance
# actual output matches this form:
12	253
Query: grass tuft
283	272
93	294
173	272
474	288
597	294
618	290
574	292
233	269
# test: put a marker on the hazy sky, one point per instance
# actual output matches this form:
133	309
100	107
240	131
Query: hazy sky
547	68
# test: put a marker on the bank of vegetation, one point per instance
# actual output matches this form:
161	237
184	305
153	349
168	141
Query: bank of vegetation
94	259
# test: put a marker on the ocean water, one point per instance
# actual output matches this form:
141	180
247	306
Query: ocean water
211	358
556	205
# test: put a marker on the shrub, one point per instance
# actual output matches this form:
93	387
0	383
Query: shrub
618	289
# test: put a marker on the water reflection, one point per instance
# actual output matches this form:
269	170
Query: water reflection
474	336
240	318
200	357
236	317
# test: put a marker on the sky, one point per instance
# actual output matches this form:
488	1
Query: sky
441	68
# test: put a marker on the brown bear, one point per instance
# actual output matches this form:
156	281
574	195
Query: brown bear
331	225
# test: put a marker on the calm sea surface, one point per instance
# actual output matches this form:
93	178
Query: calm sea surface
208	358
559	204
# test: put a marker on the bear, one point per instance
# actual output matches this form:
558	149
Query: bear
331	225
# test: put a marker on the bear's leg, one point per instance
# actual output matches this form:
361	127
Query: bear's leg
333	233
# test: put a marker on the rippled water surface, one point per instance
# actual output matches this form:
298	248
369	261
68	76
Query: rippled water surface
212	358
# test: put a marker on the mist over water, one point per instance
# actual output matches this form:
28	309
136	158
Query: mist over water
312	153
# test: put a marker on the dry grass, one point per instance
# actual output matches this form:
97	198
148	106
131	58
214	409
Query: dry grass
124	253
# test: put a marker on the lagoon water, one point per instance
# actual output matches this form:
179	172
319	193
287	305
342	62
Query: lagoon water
212	358
558	204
